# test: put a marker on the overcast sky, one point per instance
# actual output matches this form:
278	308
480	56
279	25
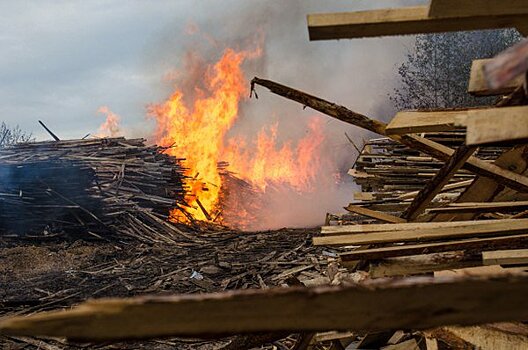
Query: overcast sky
61	60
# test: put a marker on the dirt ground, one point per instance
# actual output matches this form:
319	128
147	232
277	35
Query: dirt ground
44	275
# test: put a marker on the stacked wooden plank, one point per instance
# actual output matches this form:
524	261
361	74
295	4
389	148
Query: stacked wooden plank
95	187
472	248
421	212
390	174
439	16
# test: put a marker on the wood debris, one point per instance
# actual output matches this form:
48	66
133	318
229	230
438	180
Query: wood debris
432	253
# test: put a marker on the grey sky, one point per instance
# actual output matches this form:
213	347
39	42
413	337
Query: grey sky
62	60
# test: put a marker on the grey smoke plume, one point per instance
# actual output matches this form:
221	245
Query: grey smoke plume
354	73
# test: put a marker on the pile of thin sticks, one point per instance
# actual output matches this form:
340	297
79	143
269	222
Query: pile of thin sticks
94	187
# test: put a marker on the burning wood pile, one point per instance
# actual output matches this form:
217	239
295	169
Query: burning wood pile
88	188
433	256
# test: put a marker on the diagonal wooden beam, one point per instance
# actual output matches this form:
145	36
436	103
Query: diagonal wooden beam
435	185
411	303
401	21
507	178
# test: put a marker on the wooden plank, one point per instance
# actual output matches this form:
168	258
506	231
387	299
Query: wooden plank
363	196
411	122
426	234
413	303
478	85
497	125
484	189
409	226
399	21
507	66
374	214
434	149
449	187
505	257
502	336
474	244
435	185
420	264
483	270
477	207
460	8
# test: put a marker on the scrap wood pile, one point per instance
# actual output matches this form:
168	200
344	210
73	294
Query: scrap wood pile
89	188
391	175
214	261
453	266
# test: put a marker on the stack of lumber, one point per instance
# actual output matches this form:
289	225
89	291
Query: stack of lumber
412	276
89	187
390	175
432	202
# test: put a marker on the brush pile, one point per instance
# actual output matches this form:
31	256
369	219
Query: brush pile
88	188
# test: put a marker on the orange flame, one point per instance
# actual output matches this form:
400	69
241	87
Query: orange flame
198	132
265	162
110	127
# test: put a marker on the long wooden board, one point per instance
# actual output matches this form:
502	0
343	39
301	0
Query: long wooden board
454	225
419	264
488	126
399	21
485	229
411	122
477	207
505	257
474	244
459	8
414	303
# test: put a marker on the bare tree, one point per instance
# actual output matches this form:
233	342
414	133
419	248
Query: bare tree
436	71
10	136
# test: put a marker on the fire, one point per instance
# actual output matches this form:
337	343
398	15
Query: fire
265	163
198	131
110	127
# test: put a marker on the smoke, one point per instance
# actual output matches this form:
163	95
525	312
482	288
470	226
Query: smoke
356	73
